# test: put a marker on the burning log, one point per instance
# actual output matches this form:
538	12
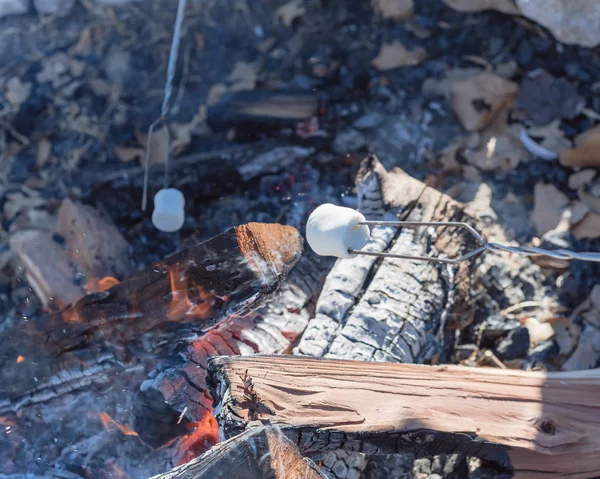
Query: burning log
231	274
259	453
175	399
529	424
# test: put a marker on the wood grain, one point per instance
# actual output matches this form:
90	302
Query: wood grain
530	424
259	453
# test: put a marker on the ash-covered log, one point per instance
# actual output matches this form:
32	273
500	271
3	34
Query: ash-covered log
529	424
259	453
394	310
230	274
175	400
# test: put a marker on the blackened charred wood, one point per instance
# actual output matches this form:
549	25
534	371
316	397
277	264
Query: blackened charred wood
175	397
256	110
260	453
230	274
529	424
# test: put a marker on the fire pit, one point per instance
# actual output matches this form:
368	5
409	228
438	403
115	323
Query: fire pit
229	347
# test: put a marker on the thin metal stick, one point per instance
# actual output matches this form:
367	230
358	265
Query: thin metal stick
166	104
563	254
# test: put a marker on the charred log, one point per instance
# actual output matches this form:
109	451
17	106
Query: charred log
233	273
260	453
527	423
176	397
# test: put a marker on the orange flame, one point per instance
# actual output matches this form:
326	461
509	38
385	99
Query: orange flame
8	421
20	359
108	422
181	307
204	436
97	285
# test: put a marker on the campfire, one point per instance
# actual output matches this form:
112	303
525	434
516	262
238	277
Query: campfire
170	311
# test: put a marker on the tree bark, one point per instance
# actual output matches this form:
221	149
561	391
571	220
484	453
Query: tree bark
259	453
529	424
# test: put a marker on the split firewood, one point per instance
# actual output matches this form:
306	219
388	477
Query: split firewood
259	453
394	310
49	269
175	399
230	274
96	244
529	424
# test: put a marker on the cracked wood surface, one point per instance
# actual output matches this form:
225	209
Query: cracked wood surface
177	389
232	273
532	425
259	453
374	309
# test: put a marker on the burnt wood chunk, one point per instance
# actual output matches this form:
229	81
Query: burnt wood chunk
48	268
263	109
96	243
175	396
260	453
530	424
231	274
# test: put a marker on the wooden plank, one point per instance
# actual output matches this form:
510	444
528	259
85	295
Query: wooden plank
531	424
259	453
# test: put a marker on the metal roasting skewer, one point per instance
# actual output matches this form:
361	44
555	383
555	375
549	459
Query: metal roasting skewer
561	254
166	104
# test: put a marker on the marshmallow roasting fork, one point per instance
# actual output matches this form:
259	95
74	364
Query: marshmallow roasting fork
342	232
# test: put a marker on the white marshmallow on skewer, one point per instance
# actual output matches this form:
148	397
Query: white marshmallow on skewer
168	214
331	230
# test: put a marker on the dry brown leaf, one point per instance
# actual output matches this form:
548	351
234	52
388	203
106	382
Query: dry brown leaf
503	6
566	334
17	92
182	132
449	157
500	148
593	202
587	151
398	10
588	227
43	152
443	87
159	146
287	13
84	44
243	76
215	93
477	100
129	153
394	55
581	178
549	204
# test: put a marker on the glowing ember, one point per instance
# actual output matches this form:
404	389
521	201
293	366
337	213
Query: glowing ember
108	422
8	421
181	307
204	436
96	285
20	359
